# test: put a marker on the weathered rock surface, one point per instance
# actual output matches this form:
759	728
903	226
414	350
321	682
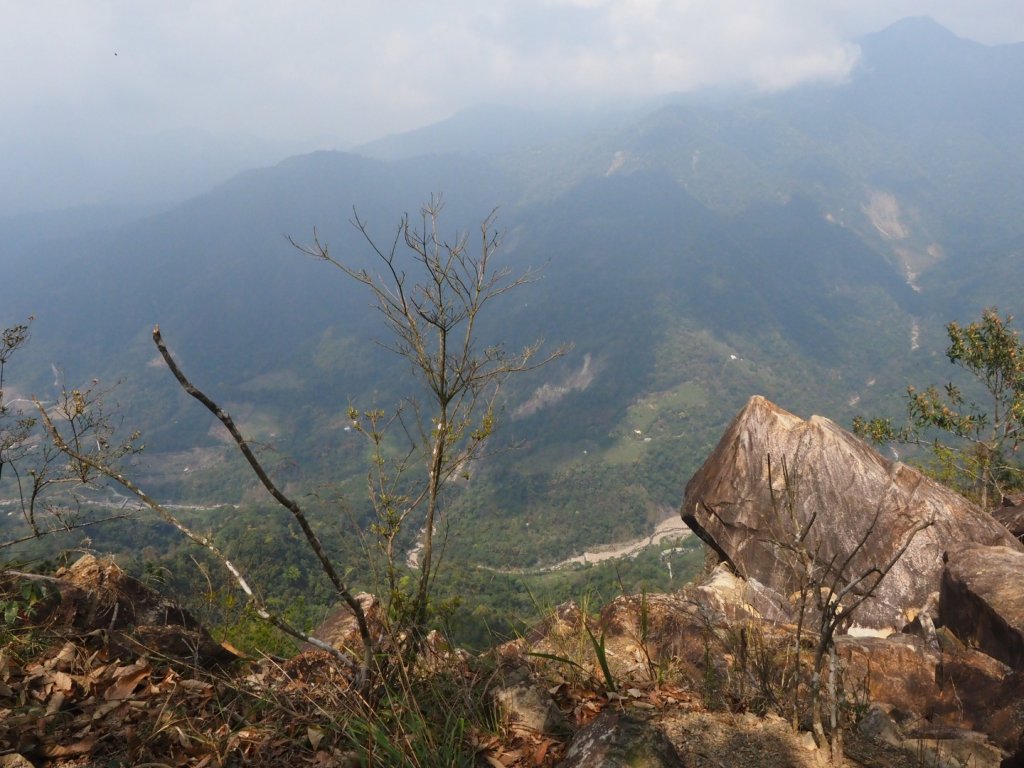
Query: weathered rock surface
724	595
897	672
1011	515
615	740
982	600
935	692
947	747
742	511
727	740
937	698
686	628
341	630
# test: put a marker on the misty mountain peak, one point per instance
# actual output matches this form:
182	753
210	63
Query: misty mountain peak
915	30
918	44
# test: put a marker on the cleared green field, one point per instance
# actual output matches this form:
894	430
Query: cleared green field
652	417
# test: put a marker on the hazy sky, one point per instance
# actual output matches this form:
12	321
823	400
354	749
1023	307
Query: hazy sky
81	76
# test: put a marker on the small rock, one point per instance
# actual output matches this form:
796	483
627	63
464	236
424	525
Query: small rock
526	702
807	741
878	726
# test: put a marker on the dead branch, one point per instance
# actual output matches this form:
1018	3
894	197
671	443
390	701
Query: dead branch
196	538
311	538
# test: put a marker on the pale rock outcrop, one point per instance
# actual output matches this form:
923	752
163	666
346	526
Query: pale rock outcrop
341	629
679	627
742	510
726	595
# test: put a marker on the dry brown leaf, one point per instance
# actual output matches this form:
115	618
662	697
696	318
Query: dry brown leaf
55	703
232	650
106	708
184	740
80	747
196	686
65	657
81	733
127	670
315	736
541	752
92	676
512	756
62	681
494	762
40	694
489	743
5	666
127	679
328	760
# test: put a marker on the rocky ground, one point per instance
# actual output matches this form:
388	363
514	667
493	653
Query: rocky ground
111	674
97	669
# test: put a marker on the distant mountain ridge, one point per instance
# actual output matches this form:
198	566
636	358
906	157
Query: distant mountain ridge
488	129
807	245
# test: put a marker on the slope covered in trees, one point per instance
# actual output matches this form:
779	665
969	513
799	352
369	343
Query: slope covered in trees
803	245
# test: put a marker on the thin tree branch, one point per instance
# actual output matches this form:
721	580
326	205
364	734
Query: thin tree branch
196	538
62	529
311	538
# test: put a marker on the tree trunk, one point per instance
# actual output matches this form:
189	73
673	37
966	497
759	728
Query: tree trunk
836	745
816	724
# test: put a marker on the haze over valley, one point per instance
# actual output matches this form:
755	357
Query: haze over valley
804	237
528	383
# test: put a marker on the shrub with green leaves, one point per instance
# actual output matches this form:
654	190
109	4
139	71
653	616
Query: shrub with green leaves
973	444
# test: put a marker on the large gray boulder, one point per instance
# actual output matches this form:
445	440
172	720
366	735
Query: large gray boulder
856	495
982	600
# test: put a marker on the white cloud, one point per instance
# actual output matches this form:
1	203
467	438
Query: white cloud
355	70
291	69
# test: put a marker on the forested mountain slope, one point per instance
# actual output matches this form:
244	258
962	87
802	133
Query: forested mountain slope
808	246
